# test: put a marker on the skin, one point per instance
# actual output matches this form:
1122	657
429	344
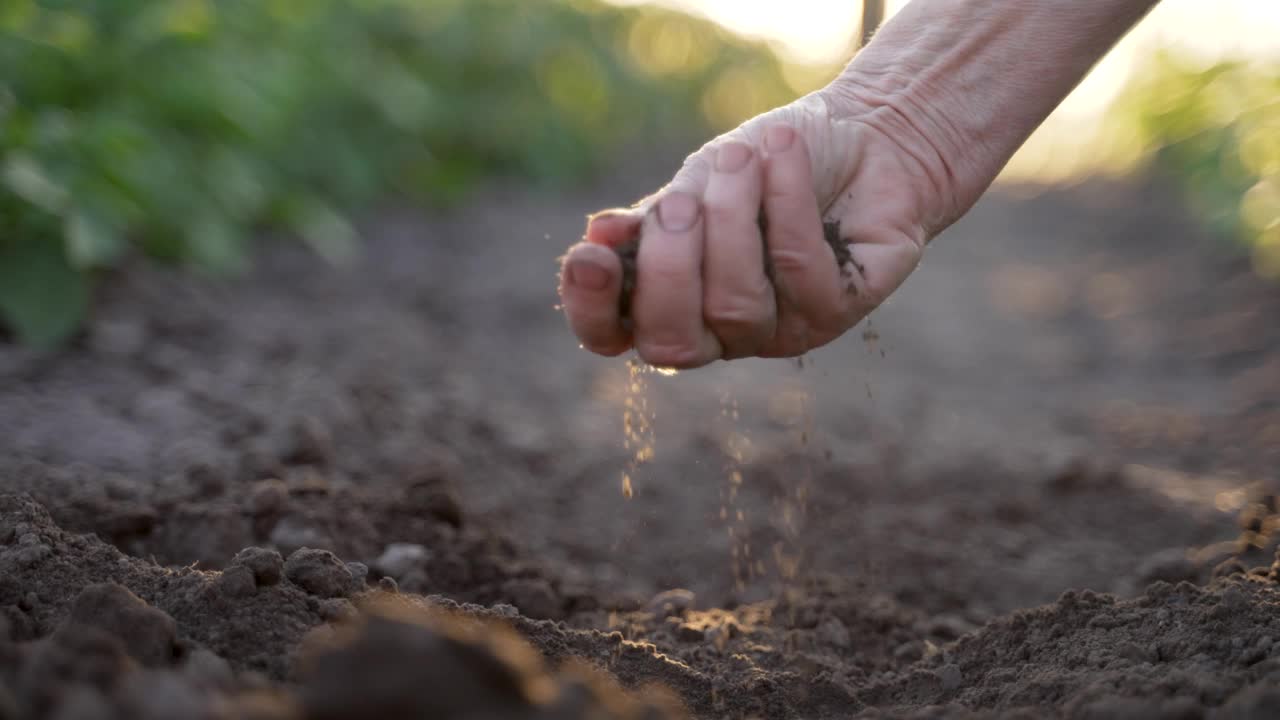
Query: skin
896	149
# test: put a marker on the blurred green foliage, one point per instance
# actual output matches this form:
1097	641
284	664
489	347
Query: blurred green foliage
181	127
1216	131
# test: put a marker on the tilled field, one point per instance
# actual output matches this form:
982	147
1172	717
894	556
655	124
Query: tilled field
1039	485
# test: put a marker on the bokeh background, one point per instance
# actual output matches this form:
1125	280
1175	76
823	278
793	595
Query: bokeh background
183	129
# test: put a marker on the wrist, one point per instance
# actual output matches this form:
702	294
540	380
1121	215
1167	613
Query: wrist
885	101
963	83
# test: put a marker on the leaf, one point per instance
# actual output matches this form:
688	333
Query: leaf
42	298
29	181
91	242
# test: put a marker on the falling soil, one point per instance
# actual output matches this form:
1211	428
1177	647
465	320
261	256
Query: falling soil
392	491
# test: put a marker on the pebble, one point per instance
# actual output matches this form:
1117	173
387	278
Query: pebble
319	572
534	597
359	576
268	496
335	609
266	565
671	602
148	634
690	633
718	636
833	632
398	558
236	581
951	677
208	670
291	535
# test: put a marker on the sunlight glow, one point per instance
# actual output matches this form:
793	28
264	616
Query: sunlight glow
822	31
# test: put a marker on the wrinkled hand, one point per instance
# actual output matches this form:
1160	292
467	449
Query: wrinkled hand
732	260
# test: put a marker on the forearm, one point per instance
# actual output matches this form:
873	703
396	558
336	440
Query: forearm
974	78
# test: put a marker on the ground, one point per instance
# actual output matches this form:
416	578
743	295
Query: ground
1036	484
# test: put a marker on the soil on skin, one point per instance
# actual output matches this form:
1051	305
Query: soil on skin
630	250
393	490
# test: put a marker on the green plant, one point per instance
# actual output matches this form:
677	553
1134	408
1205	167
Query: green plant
1216	131
180	127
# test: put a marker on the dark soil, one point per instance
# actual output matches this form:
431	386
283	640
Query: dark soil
1040	486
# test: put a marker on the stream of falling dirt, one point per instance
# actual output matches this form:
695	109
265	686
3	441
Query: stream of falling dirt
637	421
787	511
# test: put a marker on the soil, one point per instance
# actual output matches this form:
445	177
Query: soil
1040	484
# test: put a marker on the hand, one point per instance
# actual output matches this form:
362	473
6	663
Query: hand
733	260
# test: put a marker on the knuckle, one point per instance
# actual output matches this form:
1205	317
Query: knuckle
721	210
786	258
609	349
679	355
741	314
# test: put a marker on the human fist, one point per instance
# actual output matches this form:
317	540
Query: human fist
772	240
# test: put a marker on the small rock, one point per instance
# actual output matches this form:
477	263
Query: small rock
951	677
534	597
81	702
266	565
32	555
359	576
208	670
908	652
152	695
1171	565
319	572
1227	568
1135	653
16	625
312	444
833	632
148	634
690	633
268	497
1253	703
388	585
505	610
236	581
949	627
436	500
398	558
671	603
718	636
416	581
807	665
291	535
335	609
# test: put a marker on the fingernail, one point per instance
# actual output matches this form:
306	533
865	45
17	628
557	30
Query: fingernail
732	157
779	138
677	212
586	274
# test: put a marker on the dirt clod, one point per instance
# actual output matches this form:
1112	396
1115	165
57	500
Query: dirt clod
266	565
671	603
534	598
319	572
147	634
398	558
